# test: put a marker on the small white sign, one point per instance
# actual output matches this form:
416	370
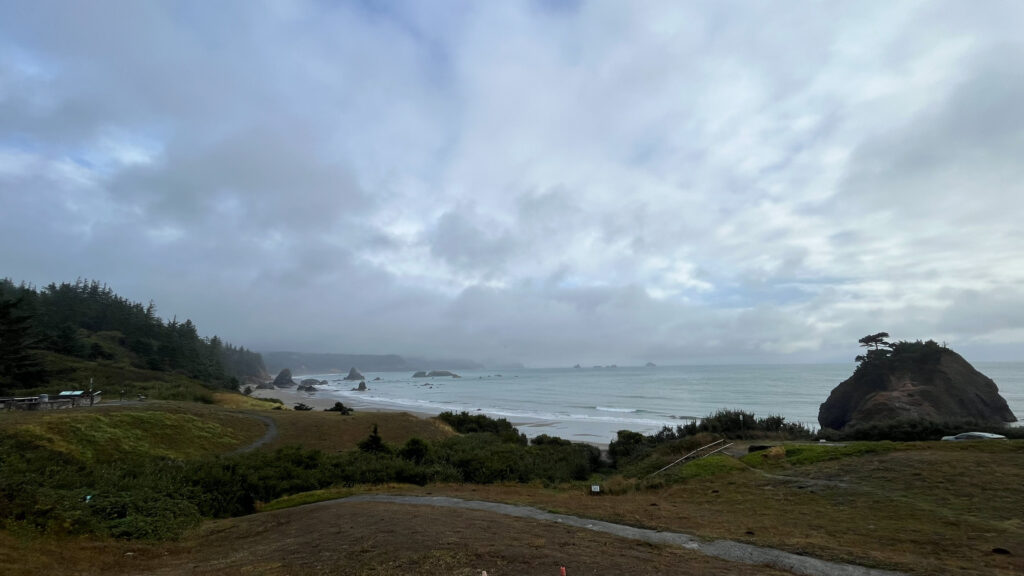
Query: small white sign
595	488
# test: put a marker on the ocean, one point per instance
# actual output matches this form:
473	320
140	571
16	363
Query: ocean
591	404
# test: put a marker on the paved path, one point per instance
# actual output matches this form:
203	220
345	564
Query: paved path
268	436
724	549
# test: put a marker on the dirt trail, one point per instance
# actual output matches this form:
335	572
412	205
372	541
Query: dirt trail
724	549
268	436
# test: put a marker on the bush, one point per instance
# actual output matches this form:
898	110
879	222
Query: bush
415	450
745	425
545	440
485	459
339	407
374	444
629	447
466	423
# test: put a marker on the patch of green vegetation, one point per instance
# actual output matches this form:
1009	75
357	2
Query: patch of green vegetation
157	477
311	497
95	437
711	466
243	402
631	447
466	423
649	469
806	454
49	491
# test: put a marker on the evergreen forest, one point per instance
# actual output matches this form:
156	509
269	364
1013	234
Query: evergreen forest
62	332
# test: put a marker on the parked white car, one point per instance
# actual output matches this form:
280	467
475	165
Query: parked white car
975	436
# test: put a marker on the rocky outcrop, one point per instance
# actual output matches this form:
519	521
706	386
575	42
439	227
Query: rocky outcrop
354	374
916	380
284	379
361	388
309	385
436	374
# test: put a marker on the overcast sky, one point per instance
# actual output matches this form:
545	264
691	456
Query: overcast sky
549	182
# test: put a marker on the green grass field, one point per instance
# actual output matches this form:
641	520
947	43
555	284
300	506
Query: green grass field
180	430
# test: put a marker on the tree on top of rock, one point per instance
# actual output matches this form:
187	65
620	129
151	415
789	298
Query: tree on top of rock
873	341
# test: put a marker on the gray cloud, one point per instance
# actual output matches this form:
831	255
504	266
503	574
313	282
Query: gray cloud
545	182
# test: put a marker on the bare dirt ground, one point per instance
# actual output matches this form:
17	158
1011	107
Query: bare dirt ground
379	539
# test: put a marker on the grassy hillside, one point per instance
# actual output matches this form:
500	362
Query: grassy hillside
150	470
162	429
331	432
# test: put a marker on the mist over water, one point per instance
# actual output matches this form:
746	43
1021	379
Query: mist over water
591	404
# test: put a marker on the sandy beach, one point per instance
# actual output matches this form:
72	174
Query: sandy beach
291	397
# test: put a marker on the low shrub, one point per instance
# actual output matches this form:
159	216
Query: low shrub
629	447
374	444
466	423
341	408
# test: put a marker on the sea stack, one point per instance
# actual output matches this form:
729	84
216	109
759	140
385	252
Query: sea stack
284	379
354	374
913	381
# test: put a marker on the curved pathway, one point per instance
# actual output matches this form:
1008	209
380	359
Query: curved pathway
724	549
268	436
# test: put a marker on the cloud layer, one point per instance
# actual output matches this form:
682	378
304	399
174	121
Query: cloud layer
549	182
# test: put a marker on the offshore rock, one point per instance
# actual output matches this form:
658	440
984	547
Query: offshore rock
922	381
284	379
354	374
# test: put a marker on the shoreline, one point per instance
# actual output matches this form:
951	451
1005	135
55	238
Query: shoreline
291	396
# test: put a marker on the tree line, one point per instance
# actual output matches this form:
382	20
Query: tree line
70	318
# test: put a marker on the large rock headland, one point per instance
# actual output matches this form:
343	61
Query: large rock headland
914	381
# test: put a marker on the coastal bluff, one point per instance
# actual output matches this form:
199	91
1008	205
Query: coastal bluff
913	380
